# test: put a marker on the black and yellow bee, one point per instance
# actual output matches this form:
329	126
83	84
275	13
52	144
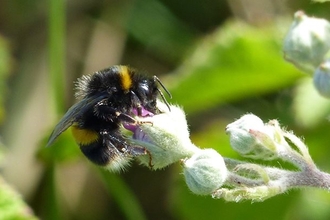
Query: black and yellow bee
108	99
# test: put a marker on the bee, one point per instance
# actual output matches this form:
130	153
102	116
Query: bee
109	99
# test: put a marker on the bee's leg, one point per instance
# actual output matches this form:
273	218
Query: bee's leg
117	144
135	150
103	111
130	120
126	118
150	159
118	141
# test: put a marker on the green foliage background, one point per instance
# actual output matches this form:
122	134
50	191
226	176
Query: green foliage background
219	59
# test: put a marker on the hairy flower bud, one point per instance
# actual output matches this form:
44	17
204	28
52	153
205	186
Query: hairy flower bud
250	137
165	136
307	42
205	172
322	79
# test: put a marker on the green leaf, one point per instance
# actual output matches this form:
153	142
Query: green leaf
64	149
164	34
235	62
305	97
12	206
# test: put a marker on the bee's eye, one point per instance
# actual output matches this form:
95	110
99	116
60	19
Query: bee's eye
144	89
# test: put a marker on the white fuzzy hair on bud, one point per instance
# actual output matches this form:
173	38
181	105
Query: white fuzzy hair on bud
205	172
166	137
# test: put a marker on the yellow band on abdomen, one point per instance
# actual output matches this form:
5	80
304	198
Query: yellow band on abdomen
84	136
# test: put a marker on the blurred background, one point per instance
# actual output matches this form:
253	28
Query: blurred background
220	59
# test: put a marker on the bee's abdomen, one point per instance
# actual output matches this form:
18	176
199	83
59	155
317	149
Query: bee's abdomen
97	153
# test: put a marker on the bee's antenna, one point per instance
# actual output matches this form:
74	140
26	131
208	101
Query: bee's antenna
160	92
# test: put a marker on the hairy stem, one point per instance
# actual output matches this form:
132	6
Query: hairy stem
308	178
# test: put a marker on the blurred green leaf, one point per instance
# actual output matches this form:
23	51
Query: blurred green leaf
305	97
235	62
64	149
12	207
154	26
317	202
213	135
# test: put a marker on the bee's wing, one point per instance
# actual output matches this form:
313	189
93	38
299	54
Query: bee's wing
72	114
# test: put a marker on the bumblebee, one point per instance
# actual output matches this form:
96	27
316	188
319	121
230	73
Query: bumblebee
110	99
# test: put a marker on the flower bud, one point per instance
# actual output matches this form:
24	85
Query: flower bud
165	136
322	79
250	137
205	172
307	42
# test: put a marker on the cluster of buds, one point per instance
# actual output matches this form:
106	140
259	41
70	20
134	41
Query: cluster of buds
307	46
252	138
206	172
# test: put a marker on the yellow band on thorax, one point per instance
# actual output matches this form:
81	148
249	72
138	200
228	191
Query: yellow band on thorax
125	77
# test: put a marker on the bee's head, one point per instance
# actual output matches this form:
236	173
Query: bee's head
147	92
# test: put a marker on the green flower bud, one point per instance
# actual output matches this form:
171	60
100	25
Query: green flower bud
205	172
322	79
250	137
307	42
165	136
